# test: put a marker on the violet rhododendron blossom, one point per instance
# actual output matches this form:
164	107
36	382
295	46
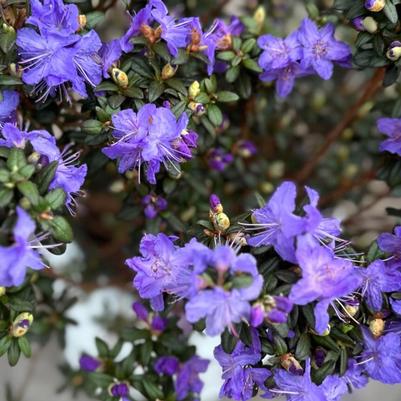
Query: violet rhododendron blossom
150	138
22	254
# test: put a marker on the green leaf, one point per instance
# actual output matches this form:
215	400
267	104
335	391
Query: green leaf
5	343
13	353
252	65
6	80
211	84
179	108
244	86
141	67
228	341
94	18
102	348
7	39
391	12
232	74
178	85
320	374
133	92
56	198
155	90
30	191
92	127
226	55
374	252
215	115
45	177
203	98
107	86
27	171
61	229
248	45
6	195
25	346
16	159
280	345
152	390
303	349
227	96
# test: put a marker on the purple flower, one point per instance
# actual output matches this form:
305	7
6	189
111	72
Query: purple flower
154	269
239	376
150	137
188	380
21	255
355	375
334	387
391	127
274	308
320	49
120	390
279	53
318	228
219	159
158	323
166	365
203	42
110	54
153	205
381	357
275	224
223	33
391	243
8	106
358	24
68	176
377	279
221	307
140	311
245	148
54	15
297	387
174	33
89	364
52	61
324	279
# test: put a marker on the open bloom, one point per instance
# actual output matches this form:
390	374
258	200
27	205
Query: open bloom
391	127
151	137
377	279
381	357
222	307
320	49
22	254
68	176
324	279
275	224
240	377
8	106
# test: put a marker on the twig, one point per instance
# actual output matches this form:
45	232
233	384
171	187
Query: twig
372	87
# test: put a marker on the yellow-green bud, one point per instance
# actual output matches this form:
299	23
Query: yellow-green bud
82	20
352	310
375	5
376	327
194	90
222	222
370	24
119	77
260	15
394	51
21	324
168	71
2	291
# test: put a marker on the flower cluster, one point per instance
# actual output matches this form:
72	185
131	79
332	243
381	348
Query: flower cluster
53	55
149	138
309	50
208	280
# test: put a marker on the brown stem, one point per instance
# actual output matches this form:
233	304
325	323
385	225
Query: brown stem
372	87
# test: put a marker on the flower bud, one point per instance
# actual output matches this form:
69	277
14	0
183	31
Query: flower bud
8	28
290	364
215	204
119	77
370	24
375	5
119	390
376	327
260	15
82	20
222	222
194	90
352	310
394	51
358	24
198	108
168	71
34	158
2	291
21	324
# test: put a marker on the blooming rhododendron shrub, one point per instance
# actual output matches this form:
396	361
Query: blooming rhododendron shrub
231	168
